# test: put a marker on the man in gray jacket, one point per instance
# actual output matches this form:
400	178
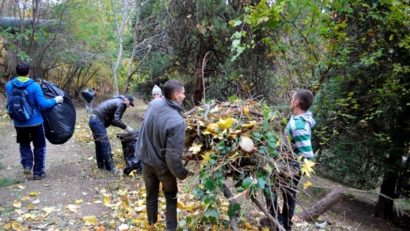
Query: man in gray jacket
160	148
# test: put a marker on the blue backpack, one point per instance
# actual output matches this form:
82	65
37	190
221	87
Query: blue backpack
19	106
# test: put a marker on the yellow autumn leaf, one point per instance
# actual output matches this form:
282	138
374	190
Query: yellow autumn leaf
307	184
12	225
307	167
195	148
248	226
90	220
29	216
79	201
211	129
107	201
30	206
251	124
225	123
33	194
17	204
246	110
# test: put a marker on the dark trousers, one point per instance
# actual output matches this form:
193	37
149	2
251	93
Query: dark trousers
152	178
35	158
289	199
102	144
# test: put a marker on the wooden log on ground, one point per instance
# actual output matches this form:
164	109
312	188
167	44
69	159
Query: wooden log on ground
321	206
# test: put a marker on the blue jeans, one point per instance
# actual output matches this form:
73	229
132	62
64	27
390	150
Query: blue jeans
102	144
34	159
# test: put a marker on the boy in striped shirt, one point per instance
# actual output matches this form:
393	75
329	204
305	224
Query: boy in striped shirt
298	130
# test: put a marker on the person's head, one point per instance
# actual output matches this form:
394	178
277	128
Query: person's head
129	100
174	90
301	100
156	92
23	69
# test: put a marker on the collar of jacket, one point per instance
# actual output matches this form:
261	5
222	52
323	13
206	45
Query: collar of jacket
174	105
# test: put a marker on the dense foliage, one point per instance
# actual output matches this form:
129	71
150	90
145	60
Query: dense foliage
363	108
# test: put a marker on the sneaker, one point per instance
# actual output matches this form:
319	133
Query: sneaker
27	170
39	177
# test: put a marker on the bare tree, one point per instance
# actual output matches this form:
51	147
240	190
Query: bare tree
122	15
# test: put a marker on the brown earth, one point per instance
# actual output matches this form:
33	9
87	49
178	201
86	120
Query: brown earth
75	190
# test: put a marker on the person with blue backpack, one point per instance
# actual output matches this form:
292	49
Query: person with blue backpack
25	100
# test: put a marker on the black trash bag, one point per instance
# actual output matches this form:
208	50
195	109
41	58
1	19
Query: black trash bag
128	141
87	96
59	121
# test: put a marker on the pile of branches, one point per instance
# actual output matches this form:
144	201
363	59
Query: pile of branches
243	140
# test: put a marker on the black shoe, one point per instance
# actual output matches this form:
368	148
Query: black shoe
27	171
39	177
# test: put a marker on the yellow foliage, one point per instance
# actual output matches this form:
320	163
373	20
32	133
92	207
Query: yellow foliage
307	167
251	124
33	194
226	123
307	184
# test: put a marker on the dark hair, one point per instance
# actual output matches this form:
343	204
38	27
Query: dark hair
305	98
22	69
170	87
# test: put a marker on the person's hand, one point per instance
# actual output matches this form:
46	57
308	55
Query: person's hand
129	129
59	99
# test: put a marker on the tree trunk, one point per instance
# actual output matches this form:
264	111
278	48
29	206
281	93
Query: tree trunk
323	205
198	77
384	206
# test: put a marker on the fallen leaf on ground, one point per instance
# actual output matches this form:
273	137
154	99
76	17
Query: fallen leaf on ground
17	204
90	220
33	194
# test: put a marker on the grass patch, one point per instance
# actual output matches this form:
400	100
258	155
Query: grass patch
4	182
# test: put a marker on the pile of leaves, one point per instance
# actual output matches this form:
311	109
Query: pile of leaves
243	141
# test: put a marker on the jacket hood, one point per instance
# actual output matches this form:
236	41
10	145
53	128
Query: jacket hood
307	116
22	81
174	104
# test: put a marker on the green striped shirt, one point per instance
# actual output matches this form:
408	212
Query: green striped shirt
299	130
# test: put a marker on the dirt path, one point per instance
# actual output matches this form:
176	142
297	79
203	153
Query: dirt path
73	187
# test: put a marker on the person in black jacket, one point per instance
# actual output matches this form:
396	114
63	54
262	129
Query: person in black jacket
160	148
105	114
